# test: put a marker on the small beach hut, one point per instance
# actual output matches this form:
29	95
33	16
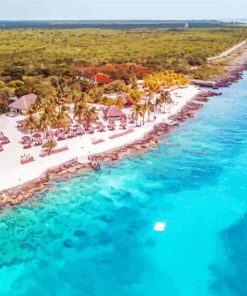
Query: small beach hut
22	104
113	112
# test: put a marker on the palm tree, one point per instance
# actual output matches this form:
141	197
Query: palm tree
46	119
168	99
133	81
49	145
62	117
79	98
158	102
147	107
31	124
96	93
119	102
79	109
3	104
153	83
165	99
89	116
135	96
138	111
35	107
150	109
86	85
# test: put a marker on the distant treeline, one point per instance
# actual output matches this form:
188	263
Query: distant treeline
29	52
121	25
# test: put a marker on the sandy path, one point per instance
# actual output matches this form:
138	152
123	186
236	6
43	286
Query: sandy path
228	51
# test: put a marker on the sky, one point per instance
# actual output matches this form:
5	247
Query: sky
121	9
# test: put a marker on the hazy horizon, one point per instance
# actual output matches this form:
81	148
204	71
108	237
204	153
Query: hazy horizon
125	20
25	10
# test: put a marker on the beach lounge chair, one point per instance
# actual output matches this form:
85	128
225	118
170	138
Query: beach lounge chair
91	130
5	140
27	146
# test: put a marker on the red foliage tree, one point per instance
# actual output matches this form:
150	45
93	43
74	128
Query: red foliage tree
141	71
106	68
102	78
89	72
123	68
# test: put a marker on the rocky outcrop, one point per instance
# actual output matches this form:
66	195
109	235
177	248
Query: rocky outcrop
231	77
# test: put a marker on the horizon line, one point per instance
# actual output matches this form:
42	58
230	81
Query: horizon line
141	19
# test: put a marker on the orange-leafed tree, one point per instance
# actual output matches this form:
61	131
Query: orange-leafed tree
102	78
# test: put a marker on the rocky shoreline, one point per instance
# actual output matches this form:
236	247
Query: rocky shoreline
232	76
69	169
235	74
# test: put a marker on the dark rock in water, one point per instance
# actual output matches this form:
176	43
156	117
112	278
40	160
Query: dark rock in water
26	246
68	243
104	239
105	219
130	231
80	233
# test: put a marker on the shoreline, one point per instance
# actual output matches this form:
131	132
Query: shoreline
232	76
67	170
64	171
234	70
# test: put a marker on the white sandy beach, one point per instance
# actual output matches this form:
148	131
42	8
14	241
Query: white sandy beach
13	173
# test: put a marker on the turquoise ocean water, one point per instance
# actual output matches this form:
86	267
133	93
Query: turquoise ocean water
93	235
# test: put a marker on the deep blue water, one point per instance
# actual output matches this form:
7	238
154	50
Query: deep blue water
93	235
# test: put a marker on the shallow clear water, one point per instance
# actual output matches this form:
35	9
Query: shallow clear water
93	235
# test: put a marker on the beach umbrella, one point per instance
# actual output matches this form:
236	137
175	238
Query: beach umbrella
37	135
50	137
90	129
20	123
50	133
26	139
80	130
71	133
